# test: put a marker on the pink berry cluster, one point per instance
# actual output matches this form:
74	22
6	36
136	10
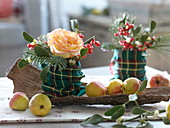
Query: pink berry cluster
128	41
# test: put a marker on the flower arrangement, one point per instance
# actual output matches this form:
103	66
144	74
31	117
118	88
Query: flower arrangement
59	47
125	35
130	43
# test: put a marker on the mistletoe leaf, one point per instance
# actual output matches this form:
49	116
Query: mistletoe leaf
119	126
147	124
152	26
83	51
144	38
115	112
136	31
166	120
43	74
27	37
142	86
41	52
95	119
22	63
74	25
137	110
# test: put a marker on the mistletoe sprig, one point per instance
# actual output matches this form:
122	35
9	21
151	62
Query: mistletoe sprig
126	35
115	113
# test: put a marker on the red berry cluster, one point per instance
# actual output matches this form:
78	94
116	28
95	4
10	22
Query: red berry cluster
31	46
90	47
127	45
81	35
145	46
128	42
125	30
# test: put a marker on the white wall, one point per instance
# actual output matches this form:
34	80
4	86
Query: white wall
74	6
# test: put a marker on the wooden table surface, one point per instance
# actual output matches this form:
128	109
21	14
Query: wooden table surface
100	72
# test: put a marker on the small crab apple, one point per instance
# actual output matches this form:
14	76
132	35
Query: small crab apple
115	86
131	85
40	105
95	88
19	101
168	111
158	80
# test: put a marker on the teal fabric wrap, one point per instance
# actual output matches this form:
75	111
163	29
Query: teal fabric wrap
64	83
128	63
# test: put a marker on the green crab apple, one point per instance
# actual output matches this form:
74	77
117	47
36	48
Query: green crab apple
131	85
40	105
158	80
115	86
19	101
95	88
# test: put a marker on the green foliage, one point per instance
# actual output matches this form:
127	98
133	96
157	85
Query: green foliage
27	37
138	110
152	26
95	119
145	124
41	52
116	112
83	52
166	121
136	31
119	126
144	38
74	25
43	74
142	86
22	63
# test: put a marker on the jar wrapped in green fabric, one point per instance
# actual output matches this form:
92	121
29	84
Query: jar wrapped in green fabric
128	63
64	83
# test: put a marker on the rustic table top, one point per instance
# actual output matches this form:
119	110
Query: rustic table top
67	116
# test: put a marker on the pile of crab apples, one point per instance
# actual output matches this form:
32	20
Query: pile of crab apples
129	86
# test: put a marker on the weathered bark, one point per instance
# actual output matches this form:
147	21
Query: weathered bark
28	80
25	80
150	95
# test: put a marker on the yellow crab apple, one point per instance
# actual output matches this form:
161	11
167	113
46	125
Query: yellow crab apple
158	80
115	86
95	88
40	105
19	101
168	111
131	85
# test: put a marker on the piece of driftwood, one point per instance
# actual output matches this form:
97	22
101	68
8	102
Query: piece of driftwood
28	80
150	95
25	80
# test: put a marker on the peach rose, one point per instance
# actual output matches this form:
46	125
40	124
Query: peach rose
64	43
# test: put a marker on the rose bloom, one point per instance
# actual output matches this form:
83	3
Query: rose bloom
64	43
